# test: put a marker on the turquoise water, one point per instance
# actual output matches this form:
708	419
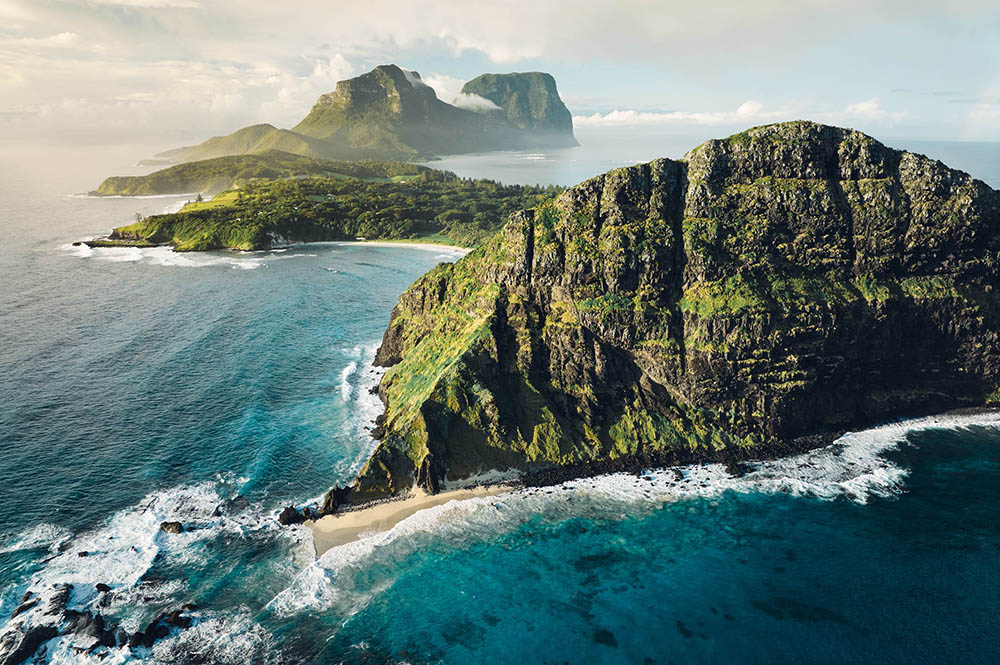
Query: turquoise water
143	386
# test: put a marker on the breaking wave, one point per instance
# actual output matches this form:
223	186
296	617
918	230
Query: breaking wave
121	554
165	256
346	578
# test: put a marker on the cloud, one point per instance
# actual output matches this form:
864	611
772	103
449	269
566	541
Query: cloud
870	111
446	87
60	40
152	4
262	62
750	112
983	117
148	98
474	103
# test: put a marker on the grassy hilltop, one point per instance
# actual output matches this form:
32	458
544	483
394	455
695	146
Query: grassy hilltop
215	175
381	204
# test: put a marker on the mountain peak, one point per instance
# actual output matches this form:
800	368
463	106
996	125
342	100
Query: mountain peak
529	100
390	113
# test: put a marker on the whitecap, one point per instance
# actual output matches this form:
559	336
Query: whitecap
48	536
346	389
138	197
166	256
365	406
346	578
121	551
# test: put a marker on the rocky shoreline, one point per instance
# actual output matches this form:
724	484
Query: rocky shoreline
767	292
51	618
737	463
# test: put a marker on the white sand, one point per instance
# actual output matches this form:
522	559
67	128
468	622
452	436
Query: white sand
332	530
435	246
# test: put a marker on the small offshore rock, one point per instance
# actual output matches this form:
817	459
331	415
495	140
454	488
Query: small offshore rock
171	527
102	587
177	618
290	516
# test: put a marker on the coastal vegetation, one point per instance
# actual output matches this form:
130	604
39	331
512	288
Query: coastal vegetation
760	296
394	201
221	173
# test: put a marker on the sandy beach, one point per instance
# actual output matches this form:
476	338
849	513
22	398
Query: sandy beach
406	243
332	530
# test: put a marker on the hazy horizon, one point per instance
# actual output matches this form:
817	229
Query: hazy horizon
183	70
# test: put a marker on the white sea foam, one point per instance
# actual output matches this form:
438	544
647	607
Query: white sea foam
852	468
120	552
165	256
231	640
365	407
48	536
143	197
346	389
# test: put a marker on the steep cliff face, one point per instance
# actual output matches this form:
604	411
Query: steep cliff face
792	280
528	101
390	113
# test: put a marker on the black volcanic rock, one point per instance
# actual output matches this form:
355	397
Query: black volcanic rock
770	289
289	516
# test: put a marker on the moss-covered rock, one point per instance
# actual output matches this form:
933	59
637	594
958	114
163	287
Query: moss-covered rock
789	281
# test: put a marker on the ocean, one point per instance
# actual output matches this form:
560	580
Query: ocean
142	386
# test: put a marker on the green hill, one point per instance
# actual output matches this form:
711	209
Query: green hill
390	113
756	298
215	175
376	201
529	102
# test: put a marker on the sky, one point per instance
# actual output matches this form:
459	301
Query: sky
188	69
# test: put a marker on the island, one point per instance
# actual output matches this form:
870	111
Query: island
758	297
210	176
389	113
372	200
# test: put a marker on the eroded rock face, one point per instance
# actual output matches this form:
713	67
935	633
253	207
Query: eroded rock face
789	281
530	102
390	111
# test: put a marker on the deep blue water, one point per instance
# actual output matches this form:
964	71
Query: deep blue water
216	388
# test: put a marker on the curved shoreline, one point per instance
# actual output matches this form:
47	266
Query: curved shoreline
335	529
338	529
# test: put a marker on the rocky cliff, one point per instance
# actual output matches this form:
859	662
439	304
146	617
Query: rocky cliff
779	285
528	101
390	113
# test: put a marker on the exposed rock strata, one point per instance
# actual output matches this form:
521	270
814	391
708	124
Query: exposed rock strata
786	282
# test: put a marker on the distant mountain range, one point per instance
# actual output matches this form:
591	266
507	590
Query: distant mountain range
390	113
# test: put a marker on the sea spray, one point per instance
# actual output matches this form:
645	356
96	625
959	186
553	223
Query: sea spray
122	553
346	578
